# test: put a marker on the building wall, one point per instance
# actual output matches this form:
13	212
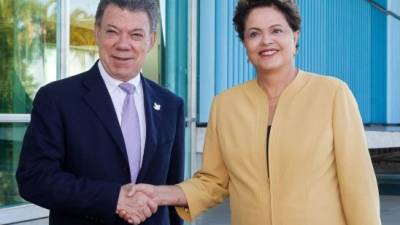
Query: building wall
336	40
222	62
393	64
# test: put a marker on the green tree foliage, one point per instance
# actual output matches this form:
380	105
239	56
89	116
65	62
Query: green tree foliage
82	28
26	27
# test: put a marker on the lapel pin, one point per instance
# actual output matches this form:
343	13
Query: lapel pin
156	106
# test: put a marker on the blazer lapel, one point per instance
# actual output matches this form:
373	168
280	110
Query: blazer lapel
151	100
100	101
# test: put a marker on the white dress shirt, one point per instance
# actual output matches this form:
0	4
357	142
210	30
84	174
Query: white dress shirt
118	97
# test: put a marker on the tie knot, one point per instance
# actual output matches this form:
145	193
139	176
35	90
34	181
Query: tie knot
127	87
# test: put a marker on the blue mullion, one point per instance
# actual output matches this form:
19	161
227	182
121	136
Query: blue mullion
221	45
206	63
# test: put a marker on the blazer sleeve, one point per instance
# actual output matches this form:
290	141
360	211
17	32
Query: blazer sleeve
40	176
209	186
177	161
357	181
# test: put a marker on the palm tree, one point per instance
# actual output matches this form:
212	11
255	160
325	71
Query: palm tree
81	28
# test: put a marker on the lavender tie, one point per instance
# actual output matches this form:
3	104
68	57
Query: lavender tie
131	130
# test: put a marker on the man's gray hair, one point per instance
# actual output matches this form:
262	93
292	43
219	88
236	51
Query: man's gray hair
150	7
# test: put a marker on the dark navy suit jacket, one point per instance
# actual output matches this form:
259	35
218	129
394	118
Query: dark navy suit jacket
74	161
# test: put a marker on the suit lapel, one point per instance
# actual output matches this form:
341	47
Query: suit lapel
152	121
100	102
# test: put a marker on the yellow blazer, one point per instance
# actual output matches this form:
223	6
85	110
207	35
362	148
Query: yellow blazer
320	171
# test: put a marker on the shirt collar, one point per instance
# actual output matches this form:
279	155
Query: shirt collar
112	83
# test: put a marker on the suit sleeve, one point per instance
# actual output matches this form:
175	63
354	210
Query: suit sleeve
177	161
209	186
40	176
357	181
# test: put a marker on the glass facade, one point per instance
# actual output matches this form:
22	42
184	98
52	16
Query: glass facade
83	51
27	61
27	51
11	135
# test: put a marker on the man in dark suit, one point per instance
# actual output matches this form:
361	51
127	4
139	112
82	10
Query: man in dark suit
92	134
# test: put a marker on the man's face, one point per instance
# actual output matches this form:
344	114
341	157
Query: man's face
124	38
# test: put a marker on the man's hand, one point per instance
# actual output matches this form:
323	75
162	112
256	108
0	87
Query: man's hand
150	194
150	190
135	208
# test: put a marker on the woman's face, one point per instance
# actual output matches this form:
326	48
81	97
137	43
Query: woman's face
269	40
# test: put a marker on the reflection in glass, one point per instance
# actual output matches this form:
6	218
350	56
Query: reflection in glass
11	135
83	50
27	51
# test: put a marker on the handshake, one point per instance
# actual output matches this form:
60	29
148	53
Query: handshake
138	202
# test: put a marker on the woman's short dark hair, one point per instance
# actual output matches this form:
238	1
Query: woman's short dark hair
287	7
150	7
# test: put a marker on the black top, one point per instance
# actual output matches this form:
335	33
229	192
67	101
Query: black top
268	132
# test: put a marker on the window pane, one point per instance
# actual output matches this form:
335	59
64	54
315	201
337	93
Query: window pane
27	51
83	49
152	66
11	135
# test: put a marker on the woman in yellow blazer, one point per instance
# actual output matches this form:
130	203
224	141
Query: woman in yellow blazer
288	148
